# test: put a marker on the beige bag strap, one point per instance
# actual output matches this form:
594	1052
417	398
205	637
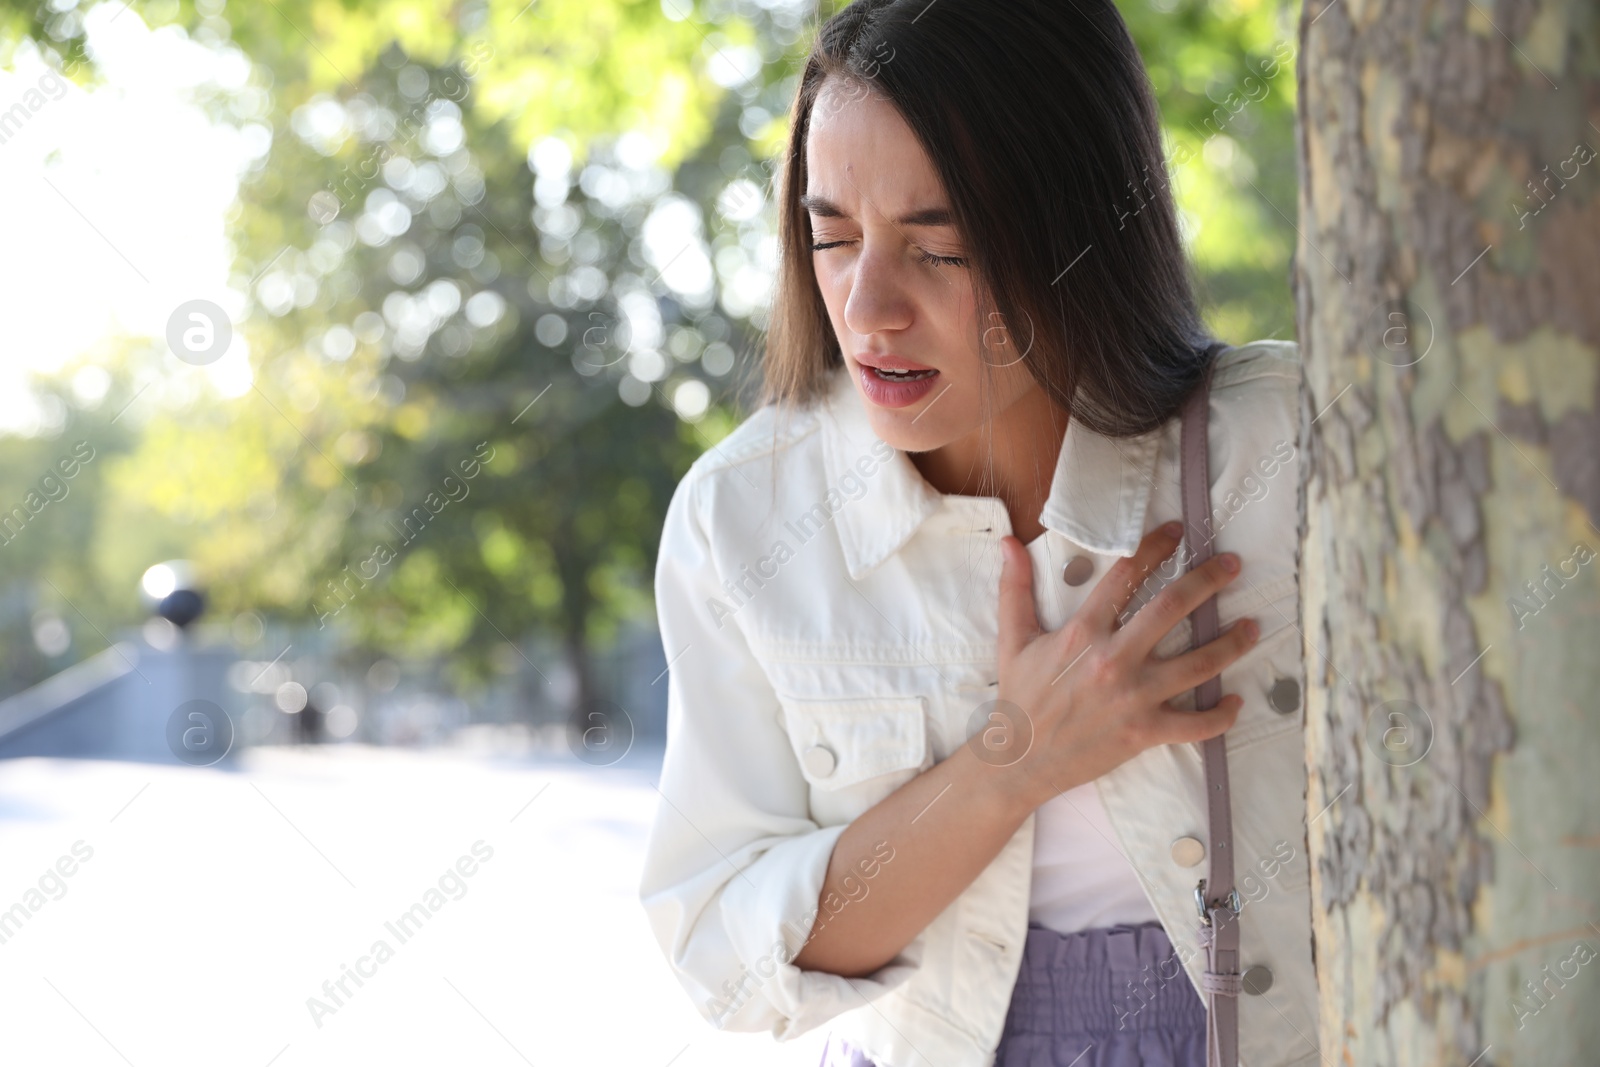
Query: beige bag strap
1216	897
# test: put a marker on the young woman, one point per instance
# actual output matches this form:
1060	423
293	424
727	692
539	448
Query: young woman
933	770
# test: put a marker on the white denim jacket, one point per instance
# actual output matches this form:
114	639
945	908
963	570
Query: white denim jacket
830	621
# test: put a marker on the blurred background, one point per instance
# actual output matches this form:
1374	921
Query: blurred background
351	352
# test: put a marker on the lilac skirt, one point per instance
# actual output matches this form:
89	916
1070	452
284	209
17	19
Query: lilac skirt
1111	997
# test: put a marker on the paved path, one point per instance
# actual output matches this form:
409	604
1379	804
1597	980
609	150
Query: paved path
212	904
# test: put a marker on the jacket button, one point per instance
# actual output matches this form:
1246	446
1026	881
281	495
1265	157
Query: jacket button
820	760
1285	695
1257	980
1077	570
1188	851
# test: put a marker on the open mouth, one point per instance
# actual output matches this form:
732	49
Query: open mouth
902	375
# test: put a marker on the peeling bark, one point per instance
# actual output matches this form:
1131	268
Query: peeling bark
1448	291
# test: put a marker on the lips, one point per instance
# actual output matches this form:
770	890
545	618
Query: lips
889	361
898	383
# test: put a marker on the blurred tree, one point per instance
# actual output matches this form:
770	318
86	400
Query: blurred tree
50	488
1224	74
474	392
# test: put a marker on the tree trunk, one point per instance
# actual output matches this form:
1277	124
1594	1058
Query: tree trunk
584	697
572	560
1448	291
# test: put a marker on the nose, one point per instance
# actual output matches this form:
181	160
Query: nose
877	299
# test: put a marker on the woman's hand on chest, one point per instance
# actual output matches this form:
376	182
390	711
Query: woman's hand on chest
1076	702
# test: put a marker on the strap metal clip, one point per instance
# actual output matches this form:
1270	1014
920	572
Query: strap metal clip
1232	902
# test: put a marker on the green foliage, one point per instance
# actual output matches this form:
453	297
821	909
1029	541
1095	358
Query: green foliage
1224	75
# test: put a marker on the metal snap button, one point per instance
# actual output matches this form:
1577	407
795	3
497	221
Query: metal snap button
1257	980
1077	570
1285	695
820	760
1188	851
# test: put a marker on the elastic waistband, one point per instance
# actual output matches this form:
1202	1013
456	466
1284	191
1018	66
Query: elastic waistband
1125	977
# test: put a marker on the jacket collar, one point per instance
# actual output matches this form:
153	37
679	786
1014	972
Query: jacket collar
1098	499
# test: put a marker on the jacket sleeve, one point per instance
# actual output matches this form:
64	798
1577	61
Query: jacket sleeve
734	863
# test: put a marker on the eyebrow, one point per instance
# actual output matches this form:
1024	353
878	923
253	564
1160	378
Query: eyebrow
928	216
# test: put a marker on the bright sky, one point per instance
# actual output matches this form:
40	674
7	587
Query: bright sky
116	200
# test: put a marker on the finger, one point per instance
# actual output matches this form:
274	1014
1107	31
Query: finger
1151	623
1019	619
1176	726
1188	670
1111	595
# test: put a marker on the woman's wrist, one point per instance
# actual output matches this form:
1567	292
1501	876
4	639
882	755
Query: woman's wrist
1016	787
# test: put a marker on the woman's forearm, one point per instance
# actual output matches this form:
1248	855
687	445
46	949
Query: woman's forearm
943	827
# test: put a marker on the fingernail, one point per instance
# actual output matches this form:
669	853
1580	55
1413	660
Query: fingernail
1230	563
1172	529
1251	630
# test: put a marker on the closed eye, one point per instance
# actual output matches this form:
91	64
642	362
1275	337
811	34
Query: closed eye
924	256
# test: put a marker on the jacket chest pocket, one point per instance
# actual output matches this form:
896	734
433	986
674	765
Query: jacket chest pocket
854	751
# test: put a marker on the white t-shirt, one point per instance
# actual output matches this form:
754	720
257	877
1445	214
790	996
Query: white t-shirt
1081	878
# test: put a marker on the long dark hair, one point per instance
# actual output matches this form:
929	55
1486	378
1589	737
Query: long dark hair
1040	121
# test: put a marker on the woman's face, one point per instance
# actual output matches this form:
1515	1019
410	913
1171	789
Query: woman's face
879	217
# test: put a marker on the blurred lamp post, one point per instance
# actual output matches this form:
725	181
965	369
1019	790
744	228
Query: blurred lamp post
171	592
